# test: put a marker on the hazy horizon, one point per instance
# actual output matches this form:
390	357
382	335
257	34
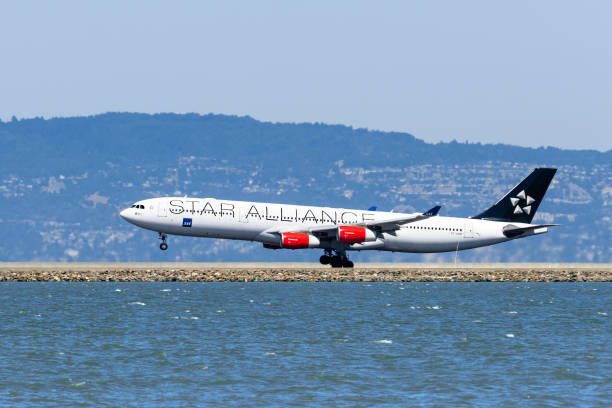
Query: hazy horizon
526	74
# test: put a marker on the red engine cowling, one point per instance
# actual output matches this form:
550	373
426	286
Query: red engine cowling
298	240
353	235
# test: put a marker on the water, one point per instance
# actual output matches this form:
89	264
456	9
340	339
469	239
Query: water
296	344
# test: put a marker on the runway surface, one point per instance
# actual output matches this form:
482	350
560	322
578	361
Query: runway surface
244	272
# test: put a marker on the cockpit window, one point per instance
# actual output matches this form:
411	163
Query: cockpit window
141	207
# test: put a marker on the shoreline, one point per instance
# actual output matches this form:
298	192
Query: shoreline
302	272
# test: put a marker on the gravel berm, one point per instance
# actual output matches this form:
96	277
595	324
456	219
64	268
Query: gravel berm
306	272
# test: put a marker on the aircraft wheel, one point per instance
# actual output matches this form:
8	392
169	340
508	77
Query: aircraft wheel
163	246
348	264
325	259
336	262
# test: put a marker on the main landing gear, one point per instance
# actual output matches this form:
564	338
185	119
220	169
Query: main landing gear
163	246
340	260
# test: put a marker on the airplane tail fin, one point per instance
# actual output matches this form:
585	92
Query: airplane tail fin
522	202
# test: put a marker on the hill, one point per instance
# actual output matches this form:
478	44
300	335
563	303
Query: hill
64	181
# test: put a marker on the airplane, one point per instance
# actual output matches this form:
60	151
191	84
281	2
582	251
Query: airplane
338	230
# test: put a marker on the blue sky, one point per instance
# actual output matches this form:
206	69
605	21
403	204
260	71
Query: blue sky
523	72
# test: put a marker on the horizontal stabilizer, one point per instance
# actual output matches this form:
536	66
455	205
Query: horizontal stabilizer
512	231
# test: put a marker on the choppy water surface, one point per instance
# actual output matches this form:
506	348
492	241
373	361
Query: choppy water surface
293	344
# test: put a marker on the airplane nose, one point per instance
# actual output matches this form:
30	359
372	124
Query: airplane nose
124	214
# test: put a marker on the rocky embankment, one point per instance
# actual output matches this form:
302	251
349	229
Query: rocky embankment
305	273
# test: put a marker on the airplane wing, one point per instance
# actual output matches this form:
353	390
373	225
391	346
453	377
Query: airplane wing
395	223
387	224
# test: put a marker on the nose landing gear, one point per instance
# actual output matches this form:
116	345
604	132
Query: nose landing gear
163	246
340	260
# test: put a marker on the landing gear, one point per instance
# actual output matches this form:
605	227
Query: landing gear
340	260
336	262
163	246
326	258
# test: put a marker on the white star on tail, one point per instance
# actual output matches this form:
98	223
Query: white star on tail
516	203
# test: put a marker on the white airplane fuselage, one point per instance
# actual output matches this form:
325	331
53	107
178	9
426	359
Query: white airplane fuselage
263	222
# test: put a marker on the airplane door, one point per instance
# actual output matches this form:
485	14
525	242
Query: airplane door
161	209
468	230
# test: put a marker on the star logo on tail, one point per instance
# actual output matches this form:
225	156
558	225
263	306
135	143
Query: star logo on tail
522	203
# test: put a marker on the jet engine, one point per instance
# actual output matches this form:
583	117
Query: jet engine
353	235
298	240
